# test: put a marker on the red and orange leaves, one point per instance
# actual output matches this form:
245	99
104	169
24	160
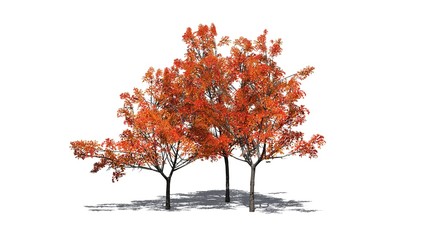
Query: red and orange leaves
83	149
206	104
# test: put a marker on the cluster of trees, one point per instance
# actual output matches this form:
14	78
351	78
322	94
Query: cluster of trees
239	107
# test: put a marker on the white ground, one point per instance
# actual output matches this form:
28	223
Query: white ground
62	67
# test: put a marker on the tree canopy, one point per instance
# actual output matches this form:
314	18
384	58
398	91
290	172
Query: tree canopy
207	106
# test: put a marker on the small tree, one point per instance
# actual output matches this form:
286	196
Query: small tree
157	137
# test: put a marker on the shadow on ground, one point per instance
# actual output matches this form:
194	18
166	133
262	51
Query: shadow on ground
212	199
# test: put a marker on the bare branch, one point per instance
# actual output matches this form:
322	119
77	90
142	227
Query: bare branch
237	158
289	76
183	164
286	155
264	148
141	167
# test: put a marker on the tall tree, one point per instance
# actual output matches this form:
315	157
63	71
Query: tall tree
205	72
264	111
157	137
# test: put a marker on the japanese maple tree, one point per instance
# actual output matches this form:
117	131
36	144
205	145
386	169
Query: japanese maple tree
205	73
264	111
157	137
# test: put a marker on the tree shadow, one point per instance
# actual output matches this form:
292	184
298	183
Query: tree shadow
212	199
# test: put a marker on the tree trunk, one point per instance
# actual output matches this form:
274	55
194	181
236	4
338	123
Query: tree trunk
252	190
227	179
168	193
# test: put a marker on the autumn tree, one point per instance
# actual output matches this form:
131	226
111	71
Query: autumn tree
205	73
157	137
264	112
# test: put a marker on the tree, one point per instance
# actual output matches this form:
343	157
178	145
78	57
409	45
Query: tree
157	137
205	73
263	112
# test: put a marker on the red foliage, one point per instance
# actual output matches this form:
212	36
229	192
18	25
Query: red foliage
206	105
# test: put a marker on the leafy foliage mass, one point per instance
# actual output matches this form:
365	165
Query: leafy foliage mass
207	105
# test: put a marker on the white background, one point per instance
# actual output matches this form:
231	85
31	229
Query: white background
63	65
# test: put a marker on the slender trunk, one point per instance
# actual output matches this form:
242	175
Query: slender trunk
168	193
227	179
252	190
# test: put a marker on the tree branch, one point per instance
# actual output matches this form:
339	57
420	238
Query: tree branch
289	76
262	154
286	155
185	163
127	166
168	155
141	167
237	158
